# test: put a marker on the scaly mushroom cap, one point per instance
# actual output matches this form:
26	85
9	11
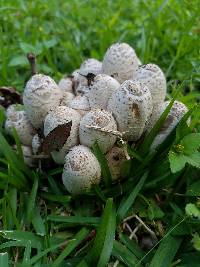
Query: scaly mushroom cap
120	62
90	65
41	94
66	84
176	113
115	158
101	90
81	170
100	119
131	106
36	143
153	77
82	89
18	119
59	116
80	104
67	98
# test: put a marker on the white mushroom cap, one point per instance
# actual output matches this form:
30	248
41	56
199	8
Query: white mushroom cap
90	129
120	62
90	65
153	77
18	119
115	158
82	89
101	90
131	106
67	98
59	116
176	113
12	109
81	170
80	104
36	143
66	84
41	94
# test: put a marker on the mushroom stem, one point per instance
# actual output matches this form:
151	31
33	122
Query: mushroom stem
32	61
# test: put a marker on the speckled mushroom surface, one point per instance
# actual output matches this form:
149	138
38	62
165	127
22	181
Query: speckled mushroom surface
120	62
80	104
36	143
17	118
81	170
176	113
90	129
67	98
115	158
131	106
66	84
59	116
101	90
153	77
41	95
90	65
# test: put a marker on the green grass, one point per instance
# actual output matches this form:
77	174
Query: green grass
40	223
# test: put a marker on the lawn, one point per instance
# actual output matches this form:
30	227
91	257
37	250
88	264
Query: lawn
157	204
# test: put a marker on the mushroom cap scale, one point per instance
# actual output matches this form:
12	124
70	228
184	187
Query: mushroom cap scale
115	158
19	120
101	90
67	97
176	113
41	94
81	170
80	104
89	135
120	62
153	77
66	84
59	116
131	106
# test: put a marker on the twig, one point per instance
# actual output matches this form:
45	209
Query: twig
147	228
117	133
32	60
116	263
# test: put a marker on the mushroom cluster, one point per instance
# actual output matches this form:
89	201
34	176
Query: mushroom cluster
102	101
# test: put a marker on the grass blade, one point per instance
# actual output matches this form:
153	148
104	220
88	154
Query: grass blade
166	252
43	253
27	253
127	202
56	198
124	255
132	246
71	246
38	222
12	158
148	140
104	165
31	202
75	220
103	243
36	241
18	144
4	259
